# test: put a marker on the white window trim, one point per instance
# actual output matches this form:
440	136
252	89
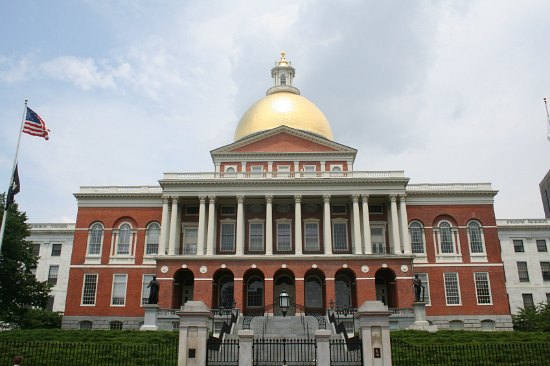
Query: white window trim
283	168
145	255
458	289
456	256
348	244
184	227
283	221
143	287
125	289
256	169
313	168
84	284
125	258
379	225
227	167
94	258
228	221
488	285
419	257
311	221
477	257
256	221
332	166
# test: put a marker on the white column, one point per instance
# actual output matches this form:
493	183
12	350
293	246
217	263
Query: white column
327	230
202	221
395	225
404	221
298	224
356	225
211	225
323	164
173	227
164	226
240	226
268	225
366	224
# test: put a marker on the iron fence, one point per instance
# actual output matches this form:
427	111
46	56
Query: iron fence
222	352
513	354
285	351
346	353
89	354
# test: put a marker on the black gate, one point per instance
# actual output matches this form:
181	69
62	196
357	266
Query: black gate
285	351
346	353
222	352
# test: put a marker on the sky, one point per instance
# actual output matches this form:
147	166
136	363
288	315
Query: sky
448	91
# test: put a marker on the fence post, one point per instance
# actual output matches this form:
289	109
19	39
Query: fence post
322	338
150	318
374	324
194	317
246	337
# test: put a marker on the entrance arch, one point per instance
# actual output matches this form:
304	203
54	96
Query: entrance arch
184	287
385	287
223	292
283	279
314	291
253	290
345	289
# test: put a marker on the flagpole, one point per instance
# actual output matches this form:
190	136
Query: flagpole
5	215
547	119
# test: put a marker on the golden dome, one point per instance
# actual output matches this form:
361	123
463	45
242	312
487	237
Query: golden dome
283	108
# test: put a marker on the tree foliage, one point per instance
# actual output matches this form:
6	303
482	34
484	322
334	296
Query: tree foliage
536	319
20	291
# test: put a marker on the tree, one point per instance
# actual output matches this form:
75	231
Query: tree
20	291
536	319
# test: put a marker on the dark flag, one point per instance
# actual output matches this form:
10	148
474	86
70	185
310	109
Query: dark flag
14	188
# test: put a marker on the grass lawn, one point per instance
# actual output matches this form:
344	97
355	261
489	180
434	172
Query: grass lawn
461	337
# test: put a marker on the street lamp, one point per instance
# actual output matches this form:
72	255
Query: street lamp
284	301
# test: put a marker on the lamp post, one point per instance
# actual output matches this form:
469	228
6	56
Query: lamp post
284	301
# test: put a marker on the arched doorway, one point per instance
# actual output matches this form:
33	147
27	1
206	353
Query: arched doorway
314	292
385	287
184	283
223	292
345	289
253	290
283	279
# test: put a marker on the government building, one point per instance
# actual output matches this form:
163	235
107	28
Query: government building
284	207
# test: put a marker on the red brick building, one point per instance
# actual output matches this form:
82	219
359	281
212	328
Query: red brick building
285	207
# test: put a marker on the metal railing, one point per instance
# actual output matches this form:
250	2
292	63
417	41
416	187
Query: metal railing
222	352
346	353
285	351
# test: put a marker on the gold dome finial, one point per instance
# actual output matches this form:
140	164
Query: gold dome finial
282	61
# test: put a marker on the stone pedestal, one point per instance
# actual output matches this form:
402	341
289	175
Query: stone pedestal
246	337
194	317
374	325
322	337
150	318
420	322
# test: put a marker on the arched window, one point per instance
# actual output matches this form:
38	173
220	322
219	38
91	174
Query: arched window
152	234
85	324
230	169
115	325
95	239
226	292
488	325
343	291
255	292
446	243
456	325
475	236
416	231
283	79
124	237
314	292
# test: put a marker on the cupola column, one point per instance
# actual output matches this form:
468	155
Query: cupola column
211	225
164	226
327	232
202	222
395	225
404	221
268	225
298	224
366	224
240	225
356	225
173	227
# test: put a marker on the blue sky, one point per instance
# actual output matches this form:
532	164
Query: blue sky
446	91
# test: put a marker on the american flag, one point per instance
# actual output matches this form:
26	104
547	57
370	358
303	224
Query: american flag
34	125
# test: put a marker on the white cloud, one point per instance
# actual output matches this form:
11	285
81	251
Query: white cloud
85	73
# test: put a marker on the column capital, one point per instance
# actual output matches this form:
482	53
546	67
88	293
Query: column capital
298	198
212	199
202	200
354	198
166	200
269	199
326	198
174	199
403	197
393	198
365	197
240	199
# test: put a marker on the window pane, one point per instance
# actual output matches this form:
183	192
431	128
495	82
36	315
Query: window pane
340	236
482	288
541	246
377	238
190	237
545	269
36	249
89	290
255	292
528	301
228	237
452	293
85	324
518	246
56	250
284	237
256	236
314	293
153	235
52	275
523	273
311	236
124	235
476	243
417	237
115	325
343	291
119	290
95	237
446	237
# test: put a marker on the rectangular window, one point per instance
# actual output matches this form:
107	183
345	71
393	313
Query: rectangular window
283	168
376	209
257	168
518	246
424	278
89	289
145	291
51	300
483	289
377	239
52	275
36	250
311	237
228	210
191	210
227	237
452	289
309	168
417	239
340	236
284	237
339	209
119	290
528	302
545	269
541	246
523	273
256	240
56	250
190	235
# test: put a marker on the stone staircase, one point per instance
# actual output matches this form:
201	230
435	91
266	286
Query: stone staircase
294	326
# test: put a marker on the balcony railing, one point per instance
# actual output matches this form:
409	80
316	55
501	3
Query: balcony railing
284	175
